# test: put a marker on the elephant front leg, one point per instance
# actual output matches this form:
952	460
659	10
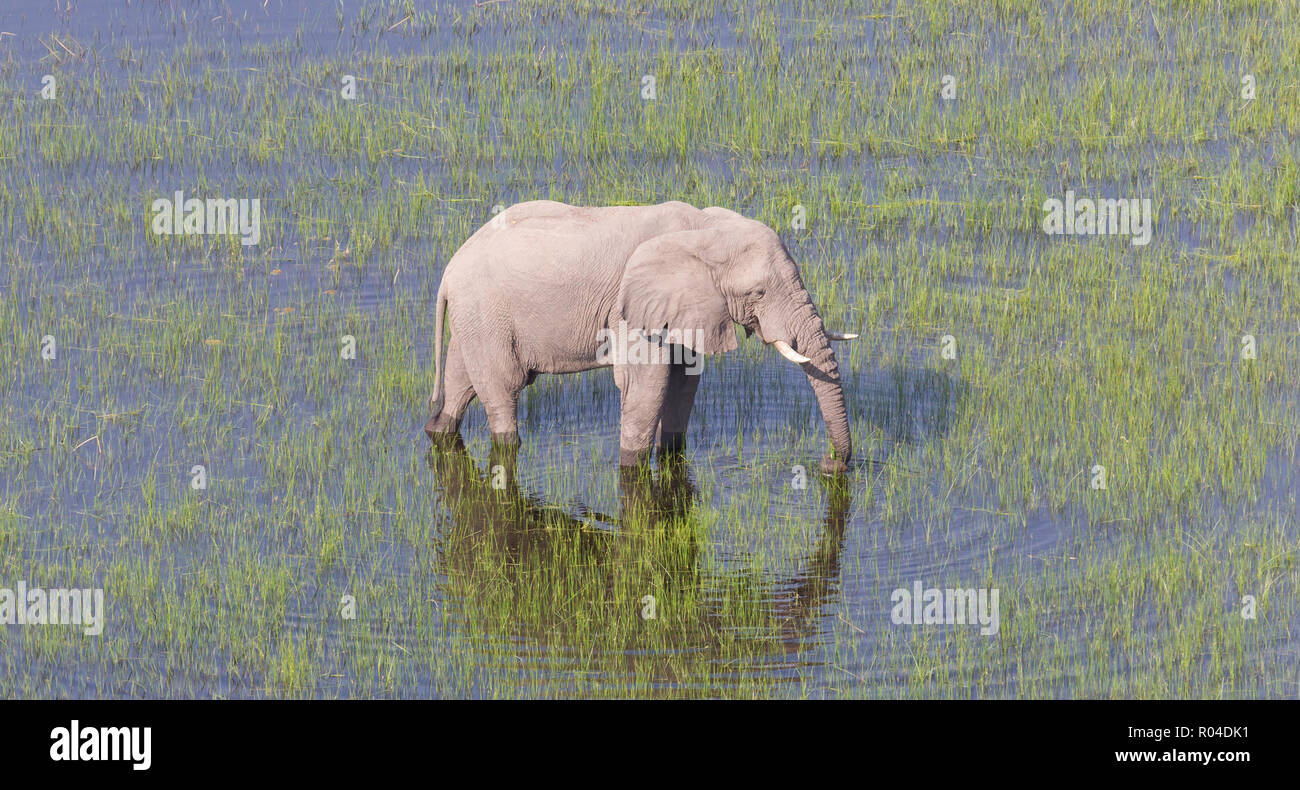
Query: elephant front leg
683	381
644	387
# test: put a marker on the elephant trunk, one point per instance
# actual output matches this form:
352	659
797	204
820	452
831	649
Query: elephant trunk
823	374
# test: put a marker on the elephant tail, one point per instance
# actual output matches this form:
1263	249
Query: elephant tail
436	397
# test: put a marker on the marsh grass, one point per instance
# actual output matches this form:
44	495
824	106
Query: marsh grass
923	221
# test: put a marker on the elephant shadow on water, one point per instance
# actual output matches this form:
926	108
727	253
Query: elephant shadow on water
542	592
908	404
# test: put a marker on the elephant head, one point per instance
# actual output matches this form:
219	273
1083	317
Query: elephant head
737	270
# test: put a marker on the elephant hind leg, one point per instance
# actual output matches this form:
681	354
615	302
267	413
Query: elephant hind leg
459	392
502	406
499	395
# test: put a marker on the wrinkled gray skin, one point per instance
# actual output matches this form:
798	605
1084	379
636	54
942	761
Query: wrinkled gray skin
531	290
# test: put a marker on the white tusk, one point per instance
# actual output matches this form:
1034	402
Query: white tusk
790	353
841	336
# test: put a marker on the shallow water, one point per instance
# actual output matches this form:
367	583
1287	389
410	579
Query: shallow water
763	587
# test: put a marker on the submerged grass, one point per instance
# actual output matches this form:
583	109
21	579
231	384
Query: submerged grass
329	555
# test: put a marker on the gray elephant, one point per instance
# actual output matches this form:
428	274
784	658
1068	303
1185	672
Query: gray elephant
545	287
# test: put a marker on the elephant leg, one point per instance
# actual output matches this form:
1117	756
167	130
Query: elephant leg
503	420
457	394
500	397
644	389
676	415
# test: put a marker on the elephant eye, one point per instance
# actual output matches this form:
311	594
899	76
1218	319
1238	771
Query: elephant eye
757	293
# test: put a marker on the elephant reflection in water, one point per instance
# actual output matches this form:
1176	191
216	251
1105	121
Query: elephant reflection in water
531	582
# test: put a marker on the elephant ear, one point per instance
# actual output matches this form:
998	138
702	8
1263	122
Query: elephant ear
668	285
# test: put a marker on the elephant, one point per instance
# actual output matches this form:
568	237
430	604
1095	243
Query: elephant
544	286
